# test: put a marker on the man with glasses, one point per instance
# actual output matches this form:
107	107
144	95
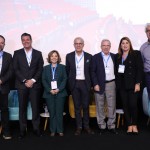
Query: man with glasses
103	79
78	70
145	51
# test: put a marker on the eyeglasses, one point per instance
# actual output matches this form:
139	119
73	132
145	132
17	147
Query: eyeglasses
106	45
78	43
147	30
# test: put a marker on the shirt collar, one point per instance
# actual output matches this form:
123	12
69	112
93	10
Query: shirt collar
1	53
80	55
28	51
105	54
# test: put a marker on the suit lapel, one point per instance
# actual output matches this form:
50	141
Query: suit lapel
112	57
85	62
4	61
101	60
49	73
128	59
57	73
73	60
33	56
23	57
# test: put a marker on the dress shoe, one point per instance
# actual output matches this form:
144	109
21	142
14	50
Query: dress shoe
129	133
113	131
102	131
78	131
52	134
60	134
135	133
37	133
22	135
7	136
89	131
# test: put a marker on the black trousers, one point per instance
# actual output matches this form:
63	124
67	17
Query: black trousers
4	112
130	106
24	96
81	99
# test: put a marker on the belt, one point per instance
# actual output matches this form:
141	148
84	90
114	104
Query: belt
109	81
147	72
79	80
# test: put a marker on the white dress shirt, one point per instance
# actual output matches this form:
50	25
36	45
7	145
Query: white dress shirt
109	67
28	56
79	60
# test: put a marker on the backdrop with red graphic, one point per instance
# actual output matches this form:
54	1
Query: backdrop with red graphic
54	24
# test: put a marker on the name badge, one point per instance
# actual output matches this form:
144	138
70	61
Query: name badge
121	68
78	70
53	85
107	70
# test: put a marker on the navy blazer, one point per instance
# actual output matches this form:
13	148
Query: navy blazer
6	72
98	75
24	71
71	69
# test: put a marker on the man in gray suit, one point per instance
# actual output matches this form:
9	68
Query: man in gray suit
103	79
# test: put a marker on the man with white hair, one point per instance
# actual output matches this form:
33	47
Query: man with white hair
103	79
79	82
145	51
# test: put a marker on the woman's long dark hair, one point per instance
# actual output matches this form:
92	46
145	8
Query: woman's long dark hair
120	52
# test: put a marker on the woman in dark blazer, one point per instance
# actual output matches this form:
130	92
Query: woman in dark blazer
128	81
54	81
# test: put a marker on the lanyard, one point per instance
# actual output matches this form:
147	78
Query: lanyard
123	59
77	61
53	71
106	61
29	57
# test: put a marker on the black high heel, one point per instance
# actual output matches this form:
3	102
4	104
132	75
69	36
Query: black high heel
135	130
129	133
135	133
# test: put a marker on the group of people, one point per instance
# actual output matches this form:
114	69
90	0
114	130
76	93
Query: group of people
104	73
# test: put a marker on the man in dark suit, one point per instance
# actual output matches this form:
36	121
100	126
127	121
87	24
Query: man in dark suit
5	75
28	65
103	79
78	70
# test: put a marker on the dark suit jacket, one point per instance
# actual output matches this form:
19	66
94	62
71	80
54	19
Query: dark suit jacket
6	72
71	69
98	75
61	78
133	70
24	71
